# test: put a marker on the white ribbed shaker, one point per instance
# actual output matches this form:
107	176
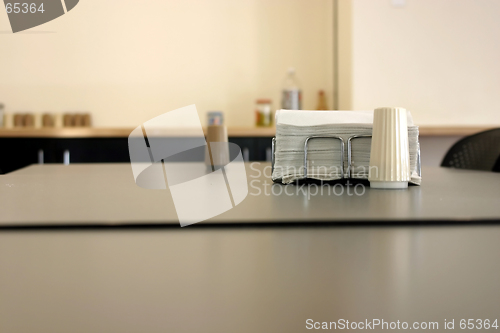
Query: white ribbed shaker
390	154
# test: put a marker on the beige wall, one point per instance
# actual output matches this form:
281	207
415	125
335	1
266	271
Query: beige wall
438	58
127	60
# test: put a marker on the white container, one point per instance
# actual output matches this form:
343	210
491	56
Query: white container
8	120
389	157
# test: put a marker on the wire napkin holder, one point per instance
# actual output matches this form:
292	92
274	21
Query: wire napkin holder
349	154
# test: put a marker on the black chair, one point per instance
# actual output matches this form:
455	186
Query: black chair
480	151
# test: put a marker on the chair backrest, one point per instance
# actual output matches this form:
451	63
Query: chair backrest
480	151
496	167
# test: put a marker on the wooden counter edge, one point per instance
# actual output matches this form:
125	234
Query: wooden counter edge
100	132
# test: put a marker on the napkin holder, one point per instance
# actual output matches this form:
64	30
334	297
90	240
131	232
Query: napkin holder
344	175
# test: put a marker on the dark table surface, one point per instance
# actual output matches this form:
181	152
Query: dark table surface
106	194
244	277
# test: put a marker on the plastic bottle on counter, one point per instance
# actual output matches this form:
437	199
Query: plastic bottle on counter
291	95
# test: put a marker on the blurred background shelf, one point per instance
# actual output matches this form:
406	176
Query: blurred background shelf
250	132
22	147
101	132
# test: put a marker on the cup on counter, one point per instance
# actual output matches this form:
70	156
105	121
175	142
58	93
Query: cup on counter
77	120
29	120
217	152
48	120
68	120
86	120
389	156
18	120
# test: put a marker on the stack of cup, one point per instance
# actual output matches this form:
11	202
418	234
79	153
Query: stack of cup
23	120
390	155
76	120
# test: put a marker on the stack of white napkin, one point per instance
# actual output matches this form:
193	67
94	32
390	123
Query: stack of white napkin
324	158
